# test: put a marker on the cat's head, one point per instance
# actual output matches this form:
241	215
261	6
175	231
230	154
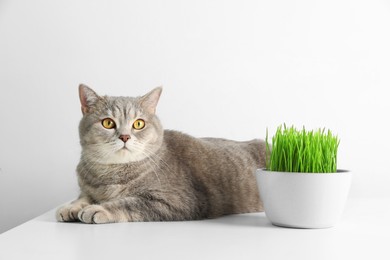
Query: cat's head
116	130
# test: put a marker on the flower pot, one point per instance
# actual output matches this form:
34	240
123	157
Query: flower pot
303	200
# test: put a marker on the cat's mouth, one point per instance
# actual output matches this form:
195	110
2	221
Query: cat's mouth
123	151
124	148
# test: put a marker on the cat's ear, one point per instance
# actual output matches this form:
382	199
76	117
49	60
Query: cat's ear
88	98
150	100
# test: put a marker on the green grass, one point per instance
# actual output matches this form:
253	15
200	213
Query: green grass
295	150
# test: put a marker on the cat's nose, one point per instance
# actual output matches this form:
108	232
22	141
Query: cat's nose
124	138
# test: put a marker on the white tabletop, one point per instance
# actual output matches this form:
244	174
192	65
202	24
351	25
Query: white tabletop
363	233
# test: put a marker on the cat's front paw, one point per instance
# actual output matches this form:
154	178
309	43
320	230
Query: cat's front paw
68	213
95	214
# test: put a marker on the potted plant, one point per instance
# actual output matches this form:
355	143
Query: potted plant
301	186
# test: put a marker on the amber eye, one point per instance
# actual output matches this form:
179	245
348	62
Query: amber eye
108	123
139	124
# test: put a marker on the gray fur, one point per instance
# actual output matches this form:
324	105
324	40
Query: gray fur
164	175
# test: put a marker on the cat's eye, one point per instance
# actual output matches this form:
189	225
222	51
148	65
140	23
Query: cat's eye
139	124
108	123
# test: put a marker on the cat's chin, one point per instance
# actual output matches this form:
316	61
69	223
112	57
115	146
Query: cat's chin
124	156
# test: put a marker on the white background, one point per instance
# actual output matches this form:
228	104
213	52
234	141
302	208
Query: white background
229	69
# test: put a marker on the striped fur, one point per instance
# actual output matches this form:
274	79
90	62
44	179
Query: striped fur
164	175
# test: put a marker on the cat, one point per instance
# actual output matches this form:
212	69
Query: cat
133	170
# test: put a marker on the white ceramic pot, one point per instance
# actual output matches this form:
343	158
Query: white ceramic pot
303	200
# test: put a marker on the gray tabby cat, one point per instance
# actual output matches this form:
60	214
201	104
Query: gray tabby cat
132	170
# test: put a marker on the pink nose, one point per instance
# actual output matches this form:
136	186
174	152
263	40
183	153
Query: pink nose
124	138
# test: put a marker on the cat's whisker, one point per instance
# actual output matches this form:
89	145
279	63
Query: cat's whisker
90	159
151	159
158	157
153	154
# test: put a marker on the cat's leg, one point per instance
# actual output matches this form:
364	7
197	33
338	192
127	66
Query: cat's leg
134	209
69	212
100	214
108	212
